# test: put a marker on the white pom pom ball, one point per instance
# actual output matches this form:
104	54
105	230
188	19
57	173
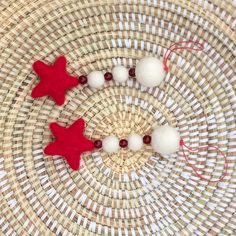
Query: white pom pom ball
165	140
120	74
110	144
135	142
149	71
96	79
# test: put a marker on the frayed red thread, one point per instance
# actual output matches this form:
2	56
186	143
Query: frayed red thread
175	46
182	144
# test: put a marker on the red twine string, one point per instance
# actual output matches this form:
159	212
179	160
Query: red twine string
181	45
182	144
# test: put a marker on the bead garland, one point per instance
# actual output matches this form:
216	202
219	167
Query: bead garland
71	143
149	71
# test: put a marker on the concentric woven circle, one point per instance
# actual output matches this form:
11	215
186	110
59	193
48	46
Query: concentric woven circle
127	193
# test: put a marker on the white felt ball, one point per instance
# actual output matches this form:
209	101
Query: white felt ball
96	79
110	144
165	140
149	71
120	74
135	142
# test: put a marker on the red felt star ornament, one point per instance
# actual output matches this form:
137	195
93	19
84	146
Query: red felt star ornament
54	80
69	142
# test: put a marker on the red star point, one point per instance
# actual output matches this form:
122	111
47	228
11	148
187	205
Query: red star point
54	80
69	142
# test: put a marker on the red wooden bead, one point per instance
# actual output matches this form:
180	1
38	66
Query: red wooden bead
123	143
108	76
83	79
132	72
98	144
147	139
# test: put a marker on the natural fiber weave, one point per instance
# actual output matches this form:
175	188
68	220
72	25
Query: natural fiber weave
128	193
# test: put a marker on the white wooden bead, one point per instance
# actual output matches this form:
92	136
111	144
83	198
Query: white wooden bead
149	71
120	74
110	144
135	142
165	140
96	79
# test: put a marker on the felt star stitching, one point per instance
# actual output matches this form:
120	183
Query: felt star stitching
70	142
54	80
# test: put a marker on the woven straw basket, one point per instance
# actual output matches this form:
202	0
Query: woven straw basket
127	193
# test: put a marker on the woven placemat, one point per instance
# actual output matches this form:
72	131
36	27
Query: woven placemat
127	193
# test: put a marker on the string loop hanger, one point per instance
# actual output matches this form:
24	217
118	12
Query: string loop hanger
181	45
203	148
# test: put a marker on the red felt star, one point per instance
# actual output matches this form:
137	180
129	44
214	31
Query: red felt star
54	80
70	142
